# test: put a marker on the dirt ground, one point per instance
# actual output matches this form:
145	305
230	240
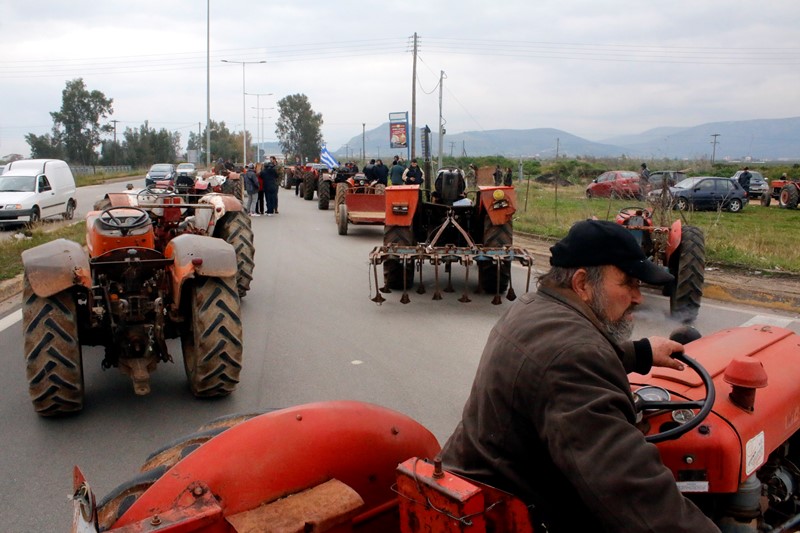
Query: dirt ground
773	290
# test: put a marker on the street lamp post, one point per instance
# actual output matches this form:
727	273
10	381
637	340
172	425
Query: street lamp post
260	117
258	95
244	107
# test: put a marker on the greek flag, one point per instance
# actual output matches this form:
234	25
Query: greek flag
326	157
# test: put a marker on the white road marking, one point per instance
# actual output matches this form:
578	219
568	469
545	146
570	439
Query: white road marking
769	320
8	321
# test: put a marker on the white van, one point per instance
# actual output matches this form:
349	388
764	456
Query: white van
32	189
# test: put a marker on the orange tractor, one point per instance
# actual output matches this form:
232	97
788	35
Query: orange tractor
357	201
446	225
133	288
728	433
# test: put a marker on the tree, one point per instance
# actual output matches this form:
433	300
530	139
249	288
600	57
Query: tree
146	146
45	146
224	144
77	124
298	127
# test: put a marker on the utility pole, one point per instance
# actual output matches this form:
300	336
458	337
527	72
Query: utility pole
363	143
714	146
441	126
114	157
452	144
414	102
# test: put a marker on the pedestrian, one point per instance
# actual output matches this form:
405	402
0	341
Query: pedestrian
369	171
269	172
644	177
260	202
498	176
396	172
251	186
472	177
413	175
744	180
380	173
550	417
508	177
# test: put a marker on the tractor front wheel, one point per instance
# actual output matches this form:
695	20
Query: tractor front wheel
212	344
495	237
393	271
308	186
766	198
53	357
324	194
235	228
687	265
342	220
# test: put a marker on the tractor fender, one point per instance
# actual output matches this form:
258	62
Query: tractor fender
199	255
499	202
122	199
226	202
55	266
283	452
401	204
674	240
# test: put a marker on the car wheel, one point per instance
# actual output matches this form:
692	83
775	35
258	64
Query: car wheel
682	204
735	205
589	195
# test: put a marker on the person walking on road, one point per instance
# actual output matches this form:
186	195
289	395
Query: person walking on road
251	186
270	175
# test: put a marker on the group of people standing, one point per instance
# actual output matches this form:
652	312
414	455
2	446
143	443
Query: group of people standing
262	188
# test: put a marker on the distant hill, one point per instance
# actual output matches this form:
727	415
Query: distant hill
762	139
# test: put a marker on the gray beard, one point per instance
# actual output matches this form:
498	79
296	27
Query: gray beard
619	330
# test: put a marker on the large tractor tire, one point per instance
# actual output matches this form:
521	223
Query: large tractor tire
766	198
324	194
341	191
235	228
342	221
53	357
288	179
687	265
495	237
789	196
234	187
309	186
212	344
393	272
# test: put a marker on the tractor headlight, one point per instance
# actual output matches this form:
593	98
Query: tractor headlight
498	194
499	197
400	209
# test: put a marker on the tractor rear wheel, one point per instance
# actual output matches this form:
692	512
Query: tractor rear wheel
235	228
53	357
233	187
308	186
687	265
789	196
324	194
393	272
342	220
212	344
495	237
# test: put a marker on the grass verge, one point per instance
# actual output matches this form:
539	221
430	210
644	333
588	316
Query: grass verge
11	249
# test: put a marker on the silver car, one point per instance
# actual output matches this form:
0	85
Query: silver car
758	185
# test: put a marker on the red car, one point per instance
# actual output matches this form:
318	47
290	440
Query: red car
616	184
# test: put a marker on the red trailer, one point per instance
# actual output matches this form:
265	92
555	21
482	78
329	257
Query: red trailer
358	202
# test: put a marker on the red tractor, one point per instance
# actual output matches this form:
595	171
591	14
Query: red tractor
728	433
357	201
443	227
130	294
678	248
786	192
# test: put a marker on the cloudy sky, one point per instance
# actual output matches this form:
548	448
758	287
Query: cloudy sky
592	68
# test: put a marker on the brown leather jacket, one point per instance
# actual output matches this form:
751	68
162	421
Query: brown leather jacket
550	419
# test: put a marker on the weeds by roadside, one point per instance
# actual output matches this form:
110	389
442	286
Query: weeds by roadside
11	248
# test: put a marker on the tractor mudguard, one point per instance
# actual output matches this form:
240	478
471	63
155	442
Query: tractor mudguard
122	199
500	203
401	204
283	452
55	266
675	234
201	255
225	201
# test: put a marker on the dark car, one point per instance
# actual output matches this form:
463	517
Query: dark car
164	172
706	193
615	184
672	177
758	185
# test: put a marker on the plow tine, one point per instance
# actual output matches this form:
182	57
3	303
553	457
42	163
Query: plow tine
497	300
437	294
421	287
528	282
405	299
464	297
510	295
449	268
378	299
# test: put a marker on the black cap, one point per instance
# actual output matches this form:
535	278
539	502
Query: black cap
599	242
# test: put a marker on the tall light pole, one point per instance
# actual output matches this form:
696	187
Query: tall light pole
244	107
260	116
258	95
208	86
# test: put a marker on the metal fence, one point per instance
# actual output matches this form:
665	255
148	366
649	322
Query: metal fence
85	170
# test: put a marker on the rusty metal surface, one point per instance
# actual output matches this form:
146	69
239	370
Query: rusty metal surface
55	266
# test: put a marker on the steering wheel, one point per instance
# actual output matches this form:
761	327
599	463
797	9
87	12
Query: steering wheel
123	218
705	405
156	190
633	212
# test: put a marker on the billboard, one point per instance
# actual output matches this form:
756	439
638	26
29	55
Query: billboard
398	130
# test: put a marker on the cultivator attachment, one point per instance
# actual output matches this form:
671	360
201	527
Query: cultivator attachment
412	258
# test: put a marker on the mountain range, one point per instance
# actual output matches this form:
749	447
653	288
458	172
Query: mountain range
745	140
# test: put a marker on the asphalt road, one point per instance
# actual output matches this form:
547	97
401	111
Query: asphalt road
311	334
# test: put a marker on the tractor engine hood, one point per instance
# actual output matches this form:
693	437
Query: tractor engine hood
736	439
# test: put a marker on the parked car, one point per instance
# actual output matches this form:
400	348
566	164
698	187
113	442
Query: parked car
672	177
186	169
33	189
704	193
758	185
160	172
615	184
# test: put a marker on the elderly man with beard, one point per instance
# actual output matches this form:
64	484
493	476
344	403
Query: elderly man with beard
550	417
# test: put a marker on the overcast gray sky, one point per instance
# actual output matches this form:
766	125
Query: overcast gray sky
592	68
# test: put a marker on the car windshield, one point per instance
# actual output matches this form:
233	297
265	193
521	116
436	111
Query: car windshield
186	166
160	168
688	183
17	183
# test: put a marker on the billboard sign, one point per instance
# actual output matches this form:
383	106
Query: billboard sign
398	130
